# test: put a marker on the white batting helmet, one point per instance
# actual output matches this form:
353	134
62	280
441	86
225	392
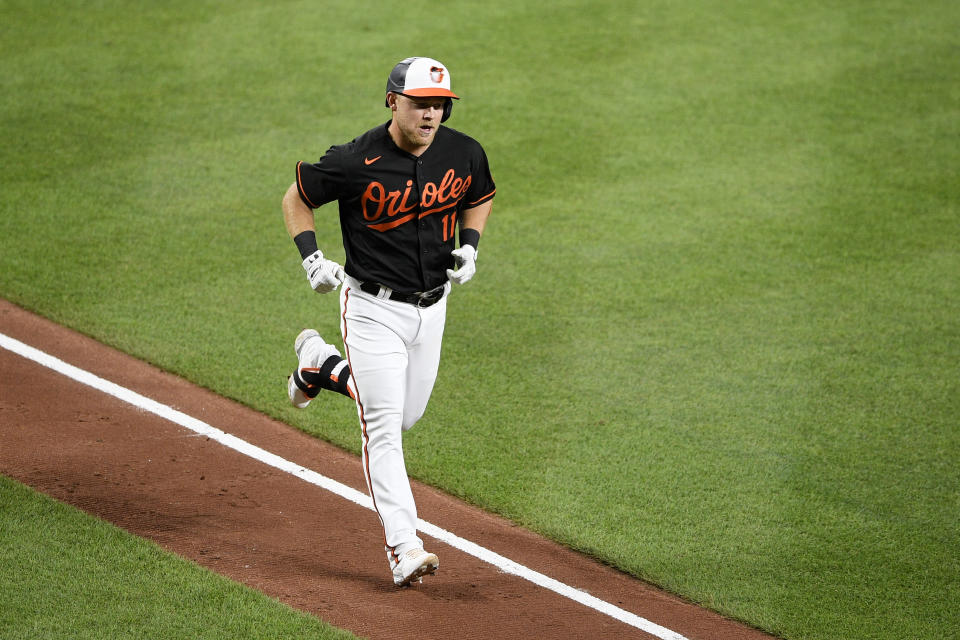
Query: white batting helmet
422	78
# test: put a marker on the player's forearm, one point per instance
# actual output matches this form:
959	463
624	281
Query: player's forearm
297	216
476	218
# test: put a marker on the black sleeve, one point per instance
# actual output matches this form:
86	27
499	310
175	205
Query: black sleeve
323	181
482	187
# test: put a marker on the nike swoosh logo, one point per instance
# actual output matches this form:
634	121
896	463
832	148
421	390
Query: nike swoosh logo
369	161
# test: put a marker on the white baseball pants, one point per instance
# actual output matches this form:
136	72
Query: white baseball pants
394	352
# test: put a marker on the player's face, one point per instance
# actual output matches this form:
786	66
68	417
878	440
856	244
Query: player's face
415	121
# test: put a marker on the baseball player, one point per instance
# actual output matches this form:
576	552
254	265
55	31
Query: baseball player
407	190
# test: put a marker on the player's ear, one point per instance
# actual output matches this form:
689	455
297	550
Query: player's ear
392	101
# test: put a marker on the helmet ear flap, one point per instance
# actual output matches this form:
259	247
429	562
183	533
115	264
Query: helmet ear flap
447	108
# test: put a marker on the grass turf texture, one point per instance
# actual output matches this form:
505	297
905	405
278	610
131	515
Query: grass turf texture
69	575
714	335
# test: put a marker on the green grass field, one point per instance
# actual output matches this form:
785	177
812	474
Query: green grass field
714	339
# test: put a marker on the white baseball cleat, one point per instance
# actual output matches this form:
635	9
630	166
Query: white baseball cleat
413	565
311	352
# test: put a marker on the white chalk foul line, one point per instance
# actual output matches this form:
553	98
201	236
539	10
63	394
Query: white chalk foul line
198	426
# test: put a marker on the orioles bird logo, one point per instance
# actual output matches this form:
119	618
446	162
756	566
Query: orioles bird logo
436	74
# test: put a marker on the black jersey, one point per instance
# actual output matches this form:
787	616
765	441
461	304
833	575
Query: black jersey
399	212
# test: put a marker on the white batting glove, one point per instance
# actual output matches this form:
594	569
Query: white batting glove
466	257
324	275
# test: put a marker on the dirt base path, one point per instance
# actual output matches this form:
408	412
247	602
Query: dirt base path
278	534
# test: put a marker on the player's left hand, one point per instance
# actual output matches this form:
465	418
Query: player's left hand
466	257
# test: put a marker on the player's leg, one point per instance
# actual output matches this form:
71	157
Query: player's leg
378	361
319	366
423	360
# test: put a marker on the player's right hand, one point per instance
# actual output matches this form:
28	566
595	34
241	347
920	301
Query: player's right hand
324	275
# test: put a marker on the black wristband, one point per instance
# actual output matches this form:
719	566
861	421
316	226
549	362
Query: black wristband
470	237
306	243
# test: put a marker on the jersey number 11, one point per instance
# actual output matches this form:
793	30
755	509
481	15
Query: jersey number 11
449	225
